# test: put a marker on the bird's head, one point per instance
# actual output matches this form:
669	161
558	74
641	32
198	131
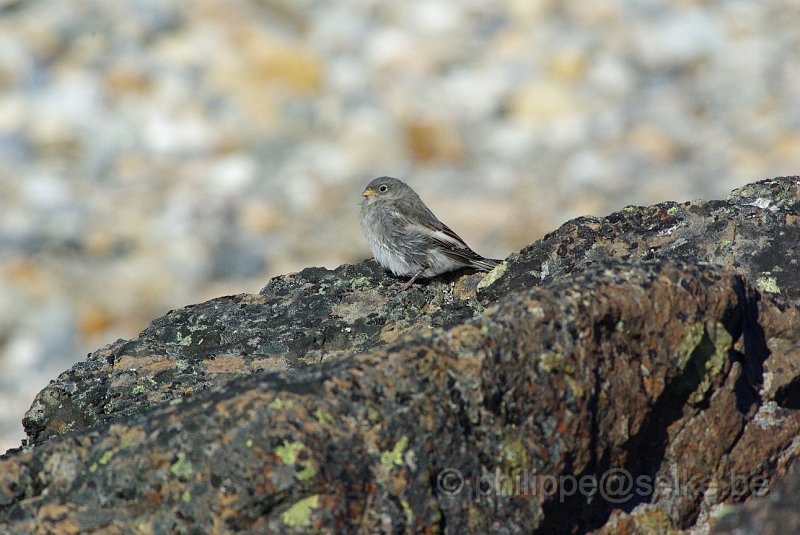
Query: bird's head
385	188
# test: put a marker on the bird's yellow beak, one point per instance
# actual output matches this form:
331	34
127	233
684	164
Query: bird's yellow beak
369	192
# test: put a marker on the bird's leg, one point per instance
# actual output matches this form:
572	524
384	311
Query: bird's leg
408	284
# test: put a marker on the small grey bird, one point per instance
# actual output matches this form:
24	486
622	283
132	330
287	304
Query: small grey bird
407	239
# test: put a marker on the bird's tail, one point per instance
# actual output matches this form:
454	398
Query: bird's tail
485	264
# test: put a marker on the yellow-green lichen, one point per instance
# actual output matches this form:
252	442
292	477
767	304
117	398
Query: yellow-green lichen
306	473
358	281
373	415
691	340
407	510
182	468
513	461
184	340
279	403
394	457
323	416
106	457
186	496
705	349
673	211
722	341
492	276
768	284
93	468
288	451
555	362
138	389
299	515
249	443
575	386
513	454
715	362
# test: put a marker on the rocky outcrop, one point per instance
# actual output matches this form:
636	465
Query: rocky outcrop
775	514
623	374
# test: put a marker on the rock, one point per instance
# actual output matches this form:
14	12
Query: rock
754	232
773	514
624	374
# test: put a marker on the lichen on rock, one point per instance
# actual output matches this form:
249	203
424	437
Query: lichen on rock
640	344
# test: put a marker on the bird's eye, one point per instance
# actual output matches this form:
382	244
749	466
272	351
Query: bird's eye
383	188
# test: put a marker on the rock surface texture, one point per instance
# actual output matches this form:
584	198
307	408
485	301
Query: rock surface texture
636	373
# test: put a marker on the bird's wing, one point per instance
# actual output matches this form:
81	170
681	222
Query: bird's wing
450	243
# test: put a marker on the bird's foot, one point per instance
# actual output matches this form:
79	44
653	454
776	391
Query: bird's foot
408	284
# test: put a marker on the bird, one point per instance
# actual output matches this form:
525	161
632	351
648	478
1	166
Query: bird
407	239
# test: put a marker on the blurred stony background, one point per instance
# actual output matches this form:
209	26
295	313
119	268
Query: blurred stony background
159	153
